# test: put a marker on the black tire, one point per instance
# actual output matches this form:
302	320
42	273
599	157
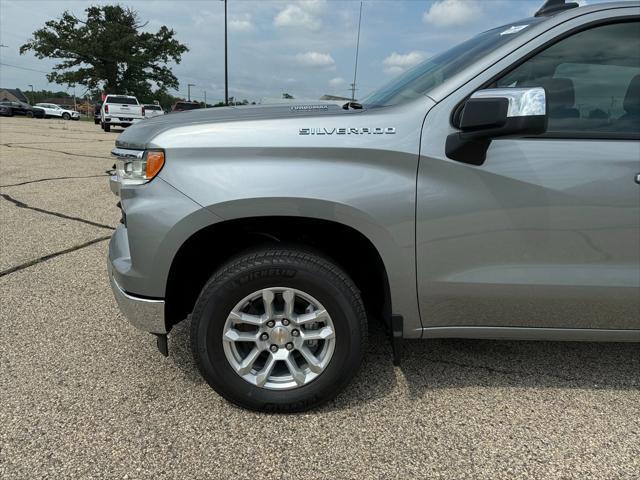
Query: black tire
29	114
288	267
106	127
66	116
96	121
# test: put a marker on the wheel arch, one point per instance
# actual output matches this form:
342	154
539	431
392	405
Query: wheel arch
210	247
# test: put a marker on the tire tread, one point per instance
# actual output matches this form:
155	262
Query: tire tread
272	257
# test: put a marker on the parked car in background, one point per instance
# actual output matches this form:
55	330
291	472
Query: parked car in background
20	108
53	110
120	110
184	106
152	110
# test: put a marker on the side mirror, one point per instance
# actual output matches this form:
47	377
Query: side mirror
496	113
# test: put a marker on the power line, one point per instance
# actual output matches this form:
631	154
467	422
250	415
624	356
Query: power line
22	68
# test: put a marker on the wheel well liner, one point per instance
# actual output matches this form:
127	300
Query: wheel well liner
206	250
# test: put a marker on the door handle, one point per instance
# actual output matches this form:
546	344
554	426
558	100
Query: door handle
638	178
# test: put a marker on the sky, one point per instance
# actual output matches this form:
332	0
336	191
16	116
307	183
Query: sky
303	47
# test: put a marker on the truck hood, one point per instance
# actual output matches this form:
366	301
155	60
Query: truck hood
139	135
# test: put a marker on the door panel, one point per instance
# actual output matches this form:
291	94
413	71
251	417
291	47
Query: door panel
544	234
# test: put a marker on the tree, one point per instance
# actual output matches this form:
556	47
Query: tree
108	51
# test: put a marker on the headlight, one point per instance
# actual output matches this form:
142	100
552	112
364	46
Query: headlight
135	167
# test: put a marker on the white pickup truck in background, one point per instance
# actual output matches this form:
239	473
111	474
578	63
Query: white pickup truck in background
120	110
152	110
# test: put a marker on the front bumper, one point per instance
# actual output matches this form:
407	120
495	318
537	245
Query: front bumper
143	313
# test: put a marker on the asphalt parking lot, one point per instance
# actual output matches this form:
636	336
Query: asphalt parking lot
85	395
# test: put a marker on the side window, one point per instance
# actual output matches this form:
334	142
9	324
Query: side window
592	80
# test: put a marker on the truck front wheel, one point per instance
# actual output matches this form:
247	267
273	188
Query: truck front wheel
279	330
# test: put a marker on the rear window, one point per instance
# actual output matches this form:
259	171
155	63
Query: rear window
122	100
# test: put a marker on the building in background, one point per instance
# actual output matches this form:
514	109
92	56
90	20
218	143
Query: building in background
12	95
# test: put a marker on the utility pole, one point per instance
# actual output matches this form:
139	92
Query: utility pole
355	70
32	95
226	61
205	99
189	85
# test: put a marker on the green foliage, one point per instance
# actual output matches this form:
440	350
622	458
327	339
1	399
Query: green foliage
108	51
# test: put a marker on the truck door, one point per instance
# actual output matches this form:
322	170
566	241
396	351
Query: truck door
546	232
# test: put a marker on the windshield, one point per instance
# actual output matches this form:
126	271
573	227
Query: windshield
438	69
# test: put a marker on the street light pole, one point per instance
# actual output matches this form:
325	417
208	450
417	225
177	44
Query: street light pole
189	85
32	95
205	99
226	62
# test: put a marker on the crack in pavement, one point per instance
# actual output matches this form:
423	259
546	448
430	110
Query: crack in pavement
81	139
50	179
44	258
75	140
504	371
12	145
20	204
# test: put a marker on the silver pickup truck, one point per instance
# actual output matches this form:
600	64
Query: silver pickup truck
491	192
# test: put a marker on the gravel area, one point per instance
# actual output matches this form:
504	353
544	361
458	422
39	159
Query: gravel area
85	395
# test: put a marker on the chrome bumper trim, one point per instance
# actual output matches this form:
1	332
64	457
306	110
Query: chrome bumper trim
143	313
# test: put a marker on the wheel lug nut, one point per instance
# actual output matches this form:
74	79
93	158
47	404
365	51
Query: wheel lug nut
273	348
289	346
264	336
271	324
295	333
285	322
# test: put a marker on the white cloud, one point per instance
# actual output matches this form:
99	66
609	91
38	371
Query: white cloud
337	82
303	14
315	59
397	63
446	13
241	24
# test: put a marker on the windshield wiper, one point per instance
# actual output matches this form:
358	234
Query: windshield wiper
354	105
